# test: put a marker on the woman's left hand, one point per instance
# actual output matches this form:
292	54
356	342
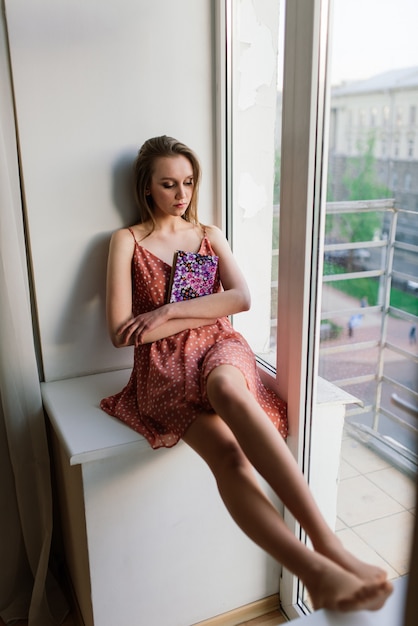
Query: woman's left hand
132	332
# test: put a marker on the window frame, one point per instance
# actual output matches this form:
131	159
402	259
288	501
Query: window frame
303	176
302	220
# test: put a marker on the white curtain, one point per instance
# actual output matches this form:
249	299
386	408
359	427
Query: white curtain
27	588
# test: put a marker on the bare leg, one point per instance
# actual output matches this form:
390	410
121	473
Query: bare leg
358	584
329	585
269	454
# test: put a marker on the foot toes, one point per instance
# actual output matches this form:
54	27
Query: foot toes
368	598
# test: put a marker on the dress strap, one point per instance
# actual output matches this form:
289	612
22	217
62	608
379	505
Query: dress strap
132	233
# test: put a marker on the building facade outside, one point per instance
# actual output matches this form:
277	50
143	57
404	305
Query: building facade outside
379	115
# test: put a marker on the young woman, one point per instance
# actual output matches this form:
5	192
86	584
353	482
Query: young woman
195	378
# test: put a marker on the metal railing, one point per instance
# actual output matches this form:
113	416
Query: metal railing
404	397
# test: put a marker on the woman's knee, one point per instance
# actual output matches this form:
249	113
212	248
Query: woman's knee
226	384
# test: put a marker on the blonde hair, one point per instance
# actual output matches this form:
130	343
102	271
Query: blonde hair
151	150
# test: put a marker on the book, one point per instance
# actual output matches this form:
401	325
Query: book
193	275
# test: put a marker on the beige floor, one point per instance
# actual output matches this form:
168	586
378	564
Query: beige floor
376	508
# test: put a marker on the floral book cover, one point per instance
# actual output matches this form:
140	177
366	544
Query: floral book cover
193	275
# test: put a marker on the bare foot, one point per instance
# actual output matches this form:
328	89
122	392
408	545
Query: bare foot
333	587
369	599
335	551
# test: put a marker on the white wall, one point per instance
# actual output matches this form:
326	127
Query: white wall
94	79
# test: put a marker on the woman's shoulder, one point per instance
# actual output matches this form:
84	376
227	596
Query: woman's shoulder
213	233
130	234
123	240
218	241
122	235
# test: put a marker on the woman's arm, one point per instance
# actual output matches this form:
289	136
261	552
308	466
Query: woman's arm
169	318
119	297
235	296
173	327
119	283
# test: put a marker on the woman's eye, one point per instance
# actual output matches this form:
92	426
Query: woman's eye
172	185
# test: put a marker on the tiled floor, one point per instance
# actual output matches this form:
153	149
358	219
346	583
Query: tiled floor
376	508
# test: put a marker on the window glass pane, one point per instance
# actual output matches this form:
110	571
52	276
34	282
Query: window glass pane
370	250
257	44
370	287
270	354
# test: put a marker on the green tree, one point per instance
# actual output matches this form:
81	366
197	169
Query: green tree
361	182
360	178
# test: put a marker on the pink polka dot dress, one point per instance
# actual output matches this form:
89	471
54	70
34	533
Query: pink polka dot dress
167	388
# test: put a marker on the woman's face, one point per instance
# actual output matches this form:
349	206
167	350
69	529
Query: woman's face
171	186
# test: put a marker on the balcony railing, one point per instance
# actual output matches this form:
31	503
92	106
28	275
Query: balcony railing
402	413
387	416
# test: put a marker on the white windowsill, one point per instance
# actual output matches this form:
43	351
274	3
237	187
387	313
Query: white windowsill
85	431
328	393
89	434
